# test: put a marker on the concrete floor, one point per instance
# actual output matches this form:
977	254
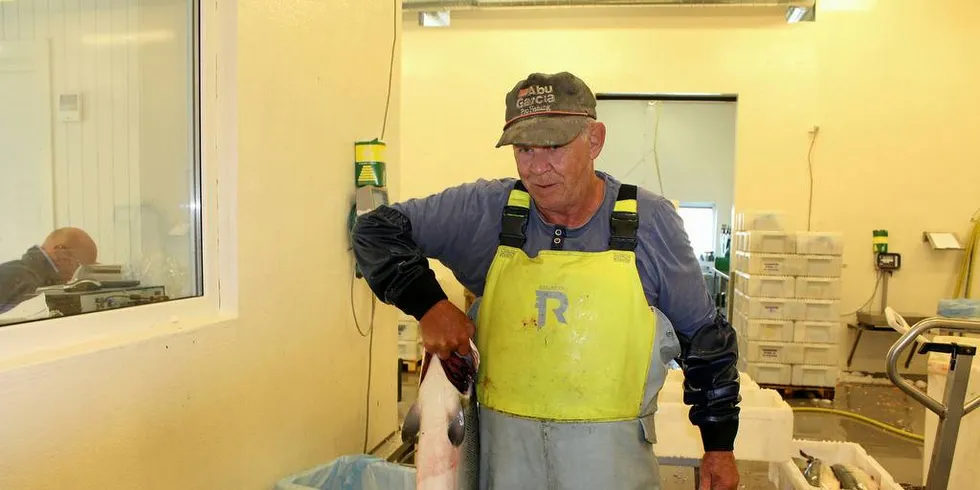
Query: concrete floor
901	457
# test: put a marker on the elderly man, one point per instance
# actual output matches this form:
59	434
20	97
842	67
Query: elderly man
53	262
588	287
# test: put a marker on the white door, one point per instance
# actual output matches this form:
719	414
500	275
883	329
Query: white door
26	196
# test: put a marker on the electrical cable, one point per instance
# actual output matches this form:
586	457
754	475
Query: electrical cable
871	299
809	165
391	66
868	420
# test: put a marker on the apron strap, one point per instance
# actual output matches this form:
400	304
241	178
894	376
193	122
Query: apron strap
625	220
516	213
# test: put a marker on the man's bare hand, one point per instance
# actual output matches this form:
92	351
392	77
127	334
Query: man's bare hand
718	471
445	329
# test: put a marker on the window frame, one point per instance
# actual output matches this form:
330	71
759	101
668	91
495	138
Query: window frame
215	136
714	213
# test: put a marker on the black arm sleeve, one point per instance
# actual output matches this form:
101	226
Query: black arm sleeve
393	265
711	384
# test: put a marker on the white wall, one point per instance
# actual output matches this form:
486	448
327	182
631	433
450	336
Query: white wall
96	161
890	83
694	143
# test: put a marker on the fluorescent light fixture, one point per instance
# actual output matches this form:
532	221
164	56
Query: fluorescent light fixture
796	14
434	19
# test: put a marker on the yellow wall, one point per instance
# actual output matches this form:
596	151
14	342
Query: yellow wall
891	83
244	403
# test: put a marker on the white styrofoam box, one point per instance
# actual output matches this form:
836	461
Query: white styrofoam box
772	308
410	350
765	285
774	352
786	475
810	375
819	310
760	220
762	411
819	354
819	243
777	242
817	287
772	264
817	332
819	265
770	373
965	472
769	330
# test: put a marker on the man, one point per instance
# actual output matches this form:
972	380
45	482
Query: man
582	282
53	262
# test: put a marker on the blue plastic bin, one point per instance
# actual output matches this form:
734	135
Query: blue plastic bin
355	472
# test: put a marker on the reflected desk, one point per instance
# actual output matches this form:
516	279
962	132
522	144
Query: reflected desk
77	302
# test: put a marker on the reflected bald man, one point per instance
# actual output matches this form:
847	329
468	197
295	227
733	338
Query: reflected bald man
53	262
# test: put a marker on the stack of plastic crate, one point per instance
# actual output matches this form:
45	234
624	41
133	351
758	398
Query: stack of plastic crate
786	301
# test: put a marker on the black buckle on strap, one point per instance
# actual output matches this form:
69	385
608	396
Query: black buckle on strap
623	227
513	225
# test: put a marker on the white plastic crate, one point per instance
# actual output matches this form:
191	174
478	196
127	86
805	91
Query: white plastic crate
762	411
774	352
819	265
809	375
770	373
787	476
819	243
817	287
761	220
772	308
819	310
819	354
769	330
409	350
777	242
771	264
765	285
817	332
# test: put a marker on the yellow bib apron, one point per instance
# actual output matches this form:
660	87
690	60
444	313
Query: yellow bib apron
566	342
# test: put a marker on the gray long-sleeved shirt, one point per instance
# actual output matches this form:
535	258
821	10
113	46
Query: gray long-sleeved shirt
461	225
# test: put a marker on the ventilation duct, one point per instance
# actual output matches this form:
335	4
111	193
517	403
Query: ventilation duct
445	5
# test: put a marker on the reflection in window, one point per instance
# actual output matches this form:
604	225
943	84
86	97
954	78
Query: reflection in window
699	223
99	174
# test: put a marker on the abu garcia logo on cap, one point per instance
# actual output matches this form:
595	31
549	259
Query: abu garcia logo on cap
533	98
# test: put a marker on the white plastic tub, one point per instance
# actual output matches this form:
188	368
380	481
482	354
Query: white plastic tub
776	242
770	374
763	411
774	352
817	332
819	310
769	330
810	375
820	354
820	265
817	287
772	308
819	243
765	285
772	264
761	220
786	476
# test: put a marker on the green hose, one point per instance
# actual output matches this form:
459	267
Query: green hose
862	418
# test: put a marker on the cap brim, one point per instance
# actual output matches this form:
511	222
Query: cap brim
544	131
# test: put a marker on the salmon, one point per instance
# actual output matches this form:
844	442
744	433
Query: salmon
444	418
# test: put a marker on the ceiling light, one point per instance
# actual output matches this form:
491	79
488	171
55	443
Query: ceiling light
434	19
796	14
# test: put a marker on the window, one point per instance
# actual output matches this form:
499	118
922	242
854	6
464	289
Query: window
699	223
100	172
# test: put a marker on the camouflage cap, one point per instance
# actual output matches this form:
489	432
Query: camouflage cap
547	110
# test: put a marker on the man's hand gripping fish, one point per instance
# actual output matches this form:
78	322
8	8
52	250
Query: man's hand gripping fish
445	419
